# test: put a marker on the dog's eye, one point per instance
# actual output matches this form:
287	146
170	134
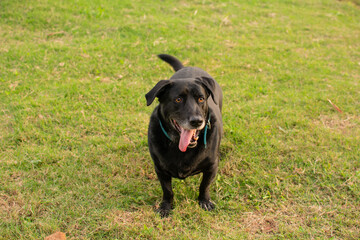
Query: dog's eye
201	99
178	100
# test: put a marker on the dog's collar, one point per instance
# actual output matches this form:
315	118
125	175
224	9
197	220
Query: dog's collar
164	131
207	126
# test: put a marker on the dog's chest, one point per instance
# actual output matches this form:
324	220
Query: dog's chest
182	167
184	172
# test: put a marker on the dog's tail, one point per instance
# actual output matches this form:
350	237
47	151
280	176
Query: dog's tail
173	61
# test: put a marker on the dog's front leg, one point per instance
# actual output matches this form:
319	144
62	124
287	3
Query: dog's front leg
168	195
204	193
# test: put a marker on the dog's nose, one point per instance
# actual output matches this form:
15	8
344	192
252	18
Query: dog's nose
196	121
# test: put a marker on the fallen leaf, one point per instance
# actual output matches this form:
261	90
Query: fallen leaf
56	236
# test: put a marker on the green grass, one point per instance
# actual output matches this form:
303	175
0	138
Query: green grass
73	118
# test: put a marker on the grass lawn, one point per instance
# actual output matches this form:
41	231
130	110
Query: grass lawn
73	118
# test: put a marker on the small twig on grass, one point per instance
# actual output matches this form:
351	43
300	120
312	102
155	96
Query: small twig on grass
281	129
55	34
336	107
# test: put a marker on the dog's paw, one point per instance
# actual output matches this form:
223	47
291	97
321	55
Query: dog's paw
207	205
164	209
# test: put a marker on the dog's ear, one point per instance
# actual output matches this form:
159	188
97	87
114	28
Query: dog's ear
209	84
156	91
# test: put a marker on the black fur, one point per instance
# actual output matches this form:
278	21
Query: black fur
180	101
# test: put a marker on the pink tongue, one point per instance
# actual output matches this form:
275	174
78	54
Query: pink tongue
185	138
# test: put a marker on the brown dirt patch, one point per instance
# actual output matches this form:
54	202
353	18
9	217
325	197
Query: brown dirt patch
258	223
346	124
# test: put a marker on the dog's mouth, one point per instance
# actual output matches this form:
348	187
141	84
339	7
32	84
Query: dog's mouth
188	137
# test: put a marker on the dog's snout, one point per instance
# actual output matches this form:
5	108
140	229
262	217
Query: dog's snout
196	121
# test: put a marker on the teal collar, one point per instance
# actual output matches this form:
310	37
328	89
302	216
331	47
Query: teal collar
164	131
207	126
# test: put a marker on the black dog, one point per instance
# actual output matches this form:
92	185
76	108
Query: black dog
185	130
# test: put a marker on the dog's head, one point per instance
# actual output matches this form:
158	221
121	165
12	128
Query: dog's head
184	105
